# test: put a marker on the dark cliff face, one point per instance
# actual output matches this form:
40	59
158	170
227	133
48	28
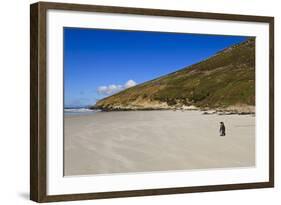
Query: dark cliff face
223	80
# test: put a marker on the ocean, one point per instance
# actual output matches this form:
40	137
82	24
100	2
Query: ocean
79	111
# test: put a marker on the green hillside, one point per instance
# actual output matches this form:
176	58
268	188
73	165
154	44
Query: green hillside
224	80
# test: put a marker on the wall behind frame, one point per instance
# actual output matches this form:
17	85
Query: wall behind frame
14	103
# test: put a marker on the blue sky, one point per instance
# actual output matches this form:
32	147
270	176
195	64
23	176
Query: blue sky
98	63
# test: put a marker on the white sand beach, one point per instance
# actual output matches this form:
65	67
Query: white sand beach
145	141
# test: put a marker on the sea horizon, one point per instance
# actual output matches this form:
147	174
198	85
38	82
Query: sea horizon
78	110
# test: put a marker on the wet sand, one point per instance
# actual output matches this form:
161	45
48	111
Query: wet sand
145	141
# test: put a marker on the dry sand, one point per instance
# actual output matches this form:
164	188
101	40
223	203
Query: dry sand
145	141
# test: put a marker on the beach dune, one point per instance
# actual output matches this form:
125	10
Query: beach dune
146	141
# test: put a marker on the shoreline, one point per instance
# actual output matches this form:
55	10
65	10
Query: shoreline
204	111
240	109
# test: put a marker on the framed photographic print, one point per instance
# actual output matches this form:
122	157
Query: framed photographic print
134	102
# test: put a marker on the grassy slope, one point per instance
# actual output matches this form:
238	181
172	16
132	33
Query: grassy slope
225	79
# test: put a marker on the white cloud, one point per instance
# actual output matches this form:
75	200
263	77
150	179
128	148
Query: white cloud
130	83
111	89
108	90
